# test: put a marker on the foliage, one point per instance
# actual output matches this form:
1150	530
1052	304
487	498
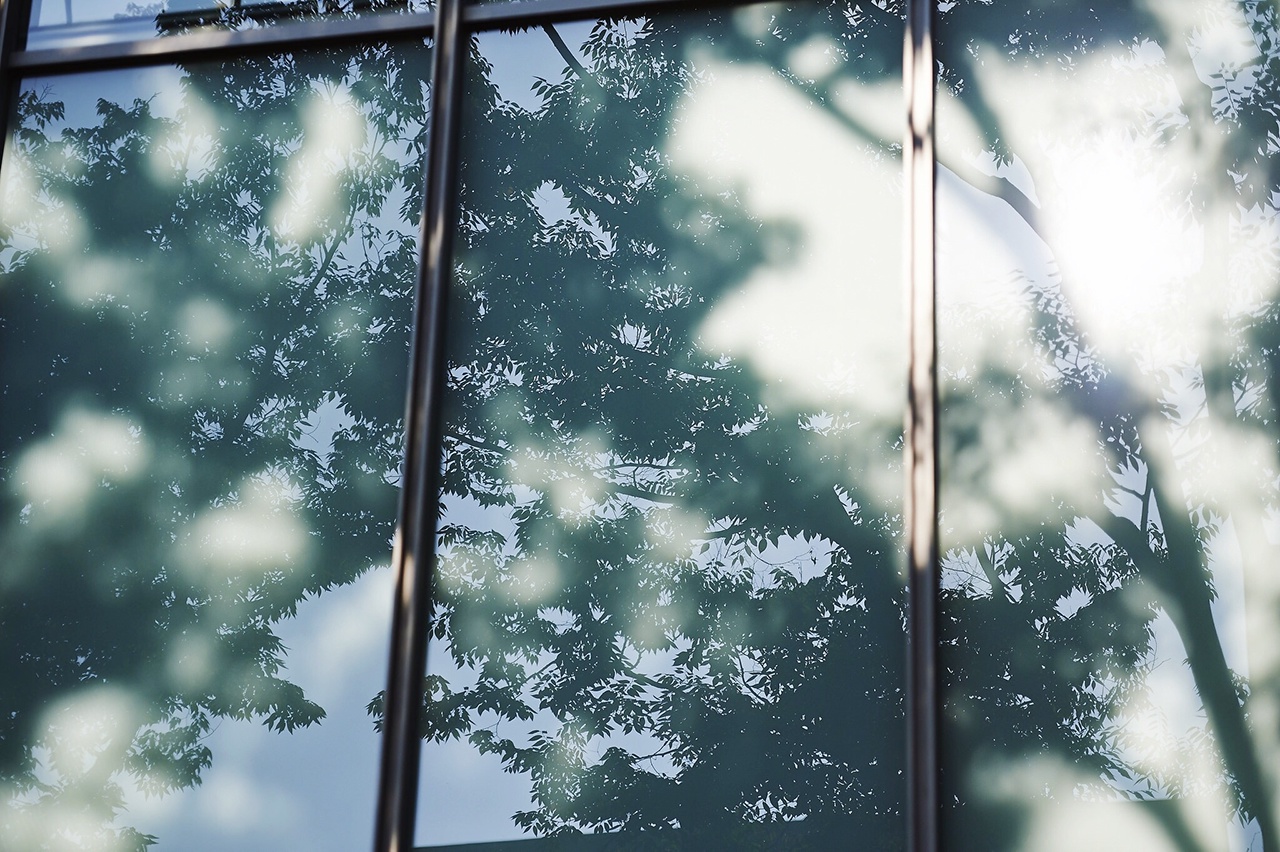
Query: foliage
667	603
668	590
617	489
205	311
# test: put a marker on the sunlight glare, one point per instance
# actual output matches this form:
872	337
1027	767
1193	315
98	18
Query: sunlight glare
825	319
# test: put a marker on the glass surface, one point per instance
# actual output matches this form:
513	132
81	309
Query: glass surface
205	291
669	600
1108	319
75	23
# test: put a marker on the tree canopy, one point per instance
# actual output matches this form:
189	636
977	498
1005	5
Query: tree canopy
207	291
605	412
668	591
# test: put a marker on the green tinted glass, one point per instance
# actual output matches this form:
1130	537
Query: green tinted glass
78	23
205	296
668	594
1108	335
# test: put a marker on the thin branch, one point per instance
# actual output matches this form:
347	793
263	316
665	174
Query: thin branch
567	55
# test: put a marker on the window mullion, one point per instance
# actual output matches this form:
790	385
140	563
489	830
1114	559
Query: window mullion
14	15
420	483
920	167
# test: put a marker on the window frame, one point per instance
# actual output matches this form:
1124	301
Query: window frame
450	27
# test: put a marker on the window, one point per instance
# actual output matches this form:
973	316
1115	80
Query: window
563	348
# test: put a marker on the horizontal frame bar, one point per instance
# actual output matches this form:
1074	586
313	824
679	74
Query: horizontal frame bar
524	13
222	44
215	45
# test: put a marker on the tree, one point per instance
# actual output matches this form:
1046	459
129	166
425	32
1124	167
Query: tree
668	589
592	418
1140	316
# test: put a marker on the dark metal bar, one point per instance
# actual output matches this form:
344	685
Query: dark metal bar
221	44
415	538
213	45
492	16
14	16
923	698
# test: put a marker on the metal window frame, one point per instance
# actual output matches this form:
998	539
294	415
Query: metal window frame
414	554
920	169
451	25
14	15
213	45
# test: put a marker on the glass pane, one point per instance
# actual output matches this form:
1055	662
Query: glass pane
669	596
205	291
73	23
1108	339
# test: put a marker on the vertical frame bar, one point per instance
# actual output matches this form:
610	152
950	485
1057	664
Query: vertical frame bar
15	18
923	701
414	550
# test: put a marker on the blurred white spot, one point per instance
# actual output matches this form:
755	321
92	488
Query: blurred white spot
817	58
58	475
259	533
332	128
98	279
205	324
90	723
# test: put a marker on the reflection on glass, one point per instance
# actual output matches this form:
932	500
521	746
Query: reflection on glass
205	287
668	591
1108	323
74	23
